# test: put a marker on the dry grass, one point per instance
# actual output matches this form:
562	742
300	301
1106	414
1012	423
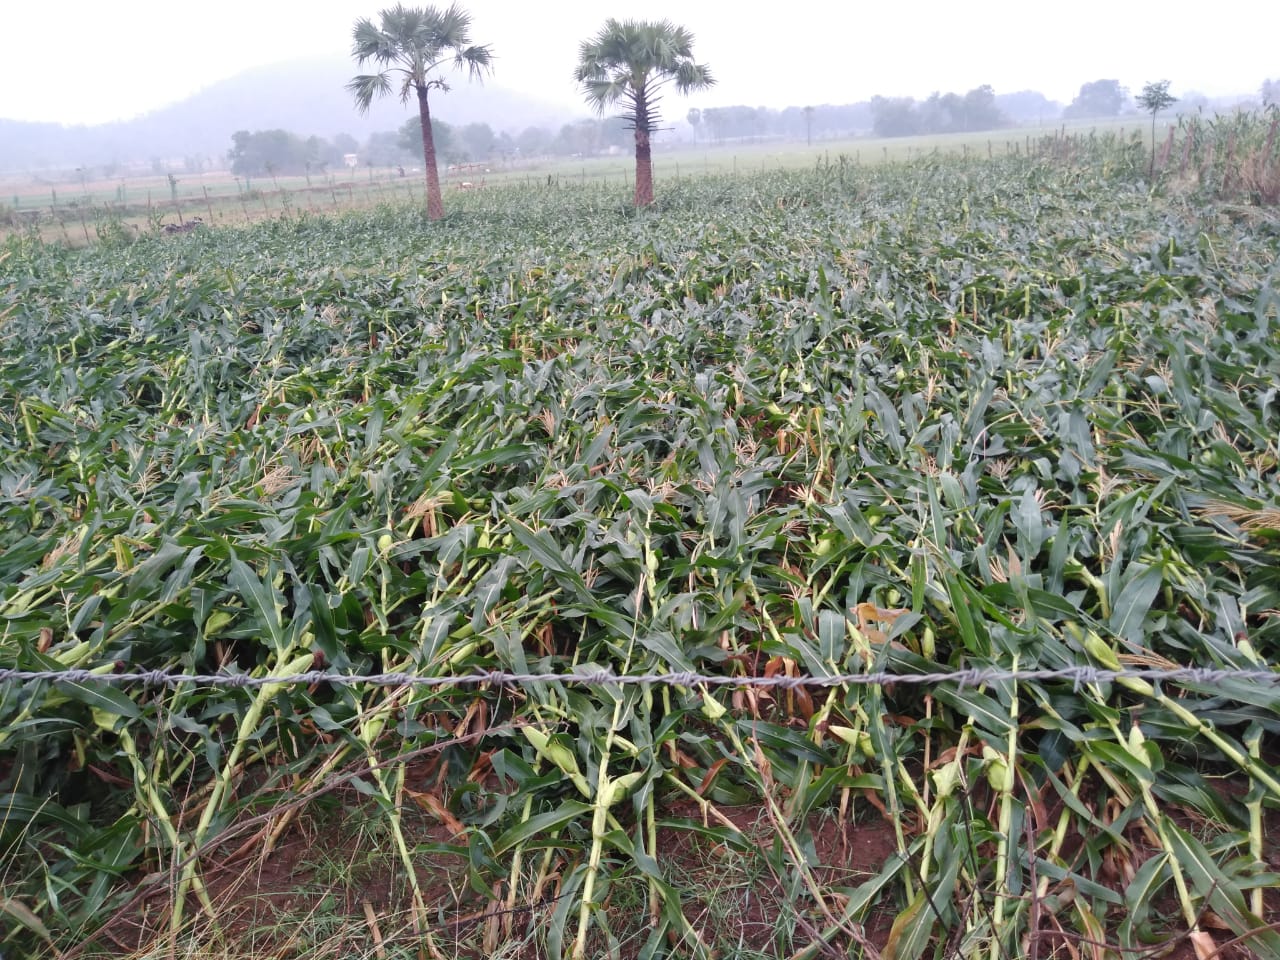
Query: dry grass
1251	519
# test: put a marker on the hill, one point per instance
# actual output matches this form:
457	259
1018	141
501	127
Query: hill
306	97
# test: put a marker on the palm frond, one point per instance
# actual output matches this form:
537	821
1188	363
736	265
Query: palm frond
692	76
477	60
587	70
609	47
681	38
639	56
366	87
409	85
453	27
370	43
405	25
415	41
601	94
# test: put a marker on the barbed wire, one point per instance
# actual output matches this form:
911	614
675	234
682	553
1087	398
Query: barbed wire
601	677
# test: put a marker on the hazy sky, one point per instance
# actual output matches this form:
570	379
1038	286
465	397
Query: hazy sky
89	61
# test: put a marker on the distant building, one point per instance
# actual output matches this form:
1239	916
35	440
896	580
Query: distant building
351	160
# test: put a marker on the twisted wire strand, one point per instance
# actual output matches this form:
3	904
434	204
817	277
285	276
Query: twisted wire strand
972	677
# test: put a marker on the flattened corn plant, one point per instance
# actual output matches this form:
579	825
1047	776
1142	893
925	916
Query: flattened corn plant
948	415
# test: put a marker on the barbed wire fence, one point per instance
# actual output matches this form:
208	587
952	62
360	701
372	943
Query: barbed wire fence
973	677
585	676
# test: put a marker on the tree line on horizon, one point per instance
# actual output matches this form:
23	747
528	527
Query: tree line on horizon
415	42
628	64
264	152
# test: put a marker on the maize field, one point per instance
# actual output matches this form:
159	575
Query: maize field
957	414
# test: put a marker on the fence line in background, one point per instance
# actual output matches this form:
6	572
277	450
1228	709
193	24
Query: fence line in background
606	678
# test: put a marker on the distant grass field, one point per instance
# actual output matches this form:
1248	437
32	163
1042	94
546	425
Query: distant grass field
62	207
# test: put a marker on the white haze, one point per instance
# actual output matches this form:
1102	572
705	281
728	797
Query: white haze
87	61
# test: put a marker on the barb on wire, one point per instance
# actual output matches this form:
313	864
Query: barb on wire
601	678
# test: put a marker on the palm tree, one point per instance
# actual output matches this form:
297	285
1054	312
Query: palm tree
694	117
629	61
412	42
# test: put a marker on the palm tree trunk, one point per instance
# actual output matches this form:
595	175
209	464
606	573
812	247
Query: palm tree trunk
435	205
644	157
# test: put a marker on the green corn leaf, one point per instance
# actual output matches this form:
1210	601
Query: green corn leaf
1135	599
261	601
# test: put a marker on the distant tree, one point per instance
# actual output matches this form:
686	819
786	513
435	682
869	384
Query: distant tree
584	138
1270	92
981	111
762	122
628	62
318	152
739	122
268	152
746	121
575	139
412	43
383	149
694	116
826	119
443	135
343	143
953	113
713	117
794	123
894	116
1154	98
615	134
1101	98
478	141
1028	106
724	121
533	141
940	113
